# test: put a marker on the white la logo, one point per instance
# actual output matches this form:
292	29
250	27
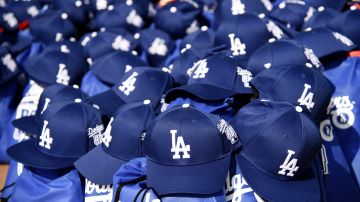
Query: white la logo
201	69
45	138
343	39
237	7
158	47
340	109
312	57
10	19
62	76
306	98
289	165
275	30
134	19
9	62
129	84
178	145
121	43
33	11
101	4
47	102
237	47
107	134
246	76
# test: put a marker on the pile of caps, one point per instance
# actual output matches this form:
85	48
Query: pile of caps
180	100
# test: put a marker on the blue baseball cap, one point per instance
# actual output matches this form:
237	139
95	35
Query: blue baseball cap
242	34
320	18
111	67
199	42
9	68
295	84
156	44
51	26
215	78
67	46
63	126
137	85
188	152
98	44
56	66
272	55
225	10
122	141
119	15
324	42
77	10
279	145
53	94
179	18
348	24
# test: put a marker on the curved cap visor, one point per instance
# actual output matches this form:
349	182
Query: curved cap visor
28	124
26	153
98	166
202	91
206	178
304	189
108	101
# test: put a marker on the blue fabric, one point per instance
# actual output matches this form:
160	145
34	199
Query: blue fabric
136	168
223	109
31	187
92	85
95	192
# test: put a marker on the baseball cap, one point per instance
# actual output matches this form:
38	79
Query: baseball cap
276	155
8	66
52	25
320	18
272	55
324	42
98	44
242	34
112	66
296	84
53	94
348	24
137	85
156	45
56	66
214	78
122	141
63	126
199	42
188	152
77	10
179	18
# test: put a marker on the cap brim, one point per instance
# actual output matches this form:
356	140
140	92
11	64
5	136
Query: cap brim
28	124
202	91
207	178
26	153
108	102
304	189
98	166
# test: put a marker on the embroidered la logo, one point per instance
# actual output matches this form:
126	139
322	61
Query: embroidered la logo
201	70
96	134
134	19
178	145
107	134
246	76
10	19
9	62
158	47
237	7
289	165
309	54
275	30
343	39
101	4
62	76
306	98
121	43
129	84
45	138
237	47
